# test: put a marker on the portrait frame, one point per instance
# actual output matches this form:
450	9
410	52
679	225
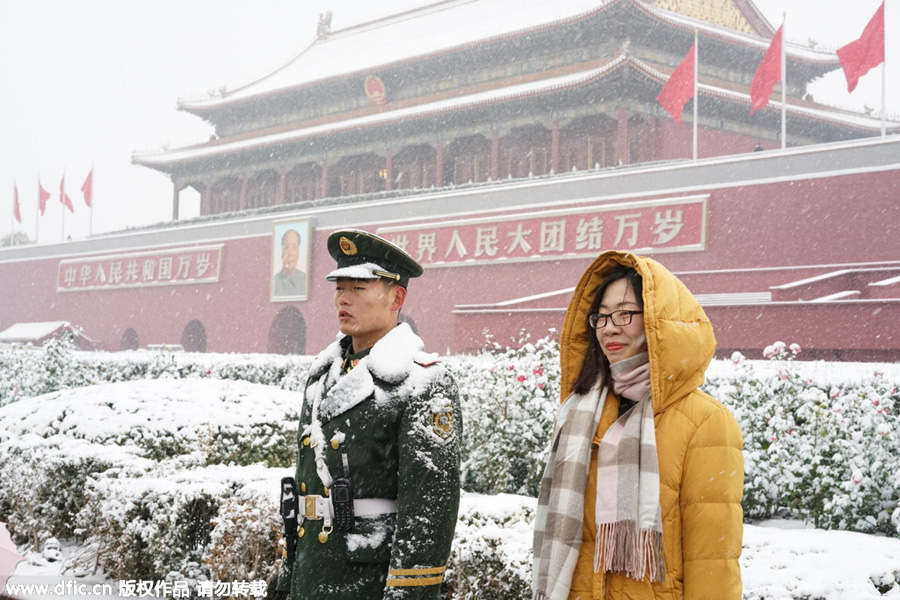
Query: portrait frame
284	287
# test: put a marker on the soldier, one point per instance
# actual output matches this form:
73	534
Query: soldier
378	465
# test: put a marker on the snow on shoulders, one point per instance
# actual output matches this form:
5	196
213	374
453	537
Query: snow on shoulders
392	357
326	357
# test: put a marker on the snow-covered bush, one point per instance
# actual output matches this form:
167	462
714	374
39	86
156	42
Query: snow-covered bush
826	453
26	372
173	523
509	401
31	372
154	527
491	555
61	453
174	475
245	539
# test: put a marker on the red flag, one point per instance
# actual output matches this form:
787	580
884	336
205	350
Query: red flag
43	196
63	197
86	188
680	87
768	73
866	53
17	212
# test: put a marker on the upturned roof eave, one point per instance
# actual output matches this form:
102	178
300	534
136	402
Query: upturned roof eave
208	104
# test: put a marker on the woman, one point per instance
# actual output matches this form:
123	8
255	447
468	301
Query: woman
641	496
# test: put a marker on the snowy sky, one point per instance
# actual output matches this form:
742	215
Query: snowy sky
87	83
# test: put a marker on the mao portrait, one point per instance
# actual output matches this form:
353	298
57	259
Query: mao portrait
290	260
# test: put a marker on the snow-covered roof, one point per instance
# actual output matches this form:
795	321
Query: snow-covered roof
493	96
448	26
31	332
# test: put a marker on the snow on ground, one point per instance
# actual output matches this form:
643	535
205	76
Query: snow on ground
782	560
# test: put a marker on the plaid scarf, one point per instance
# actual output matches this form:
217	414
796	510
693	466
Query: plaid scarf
628	513
629	516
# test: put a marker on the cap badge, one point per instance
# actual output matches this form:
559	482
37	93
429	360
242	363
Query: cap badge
348	247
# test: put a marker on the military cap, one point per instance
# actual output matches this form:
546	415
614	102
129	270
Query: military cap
363	255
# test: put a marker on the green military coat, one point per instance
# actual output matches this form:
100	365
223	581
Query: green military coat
397	418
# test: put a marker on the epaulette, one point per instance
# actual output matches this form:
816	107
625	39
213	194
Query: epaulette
426	359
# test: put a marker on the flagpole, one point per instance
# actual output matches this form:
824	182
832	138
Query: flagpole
62	200
884	71
91	221
696	96
37	212
783	84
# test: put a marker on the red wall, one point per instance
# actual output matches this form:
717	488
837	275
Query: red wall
759	236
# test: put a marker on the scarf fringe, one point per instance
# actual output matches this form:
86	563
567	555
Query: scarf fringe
621	547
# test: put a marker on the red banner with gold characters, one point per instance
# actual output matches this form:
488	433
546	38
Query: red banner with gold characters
577	231
177	266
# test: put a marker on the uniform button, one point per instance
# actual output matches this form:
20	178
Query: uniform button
301	532
335	444
306	441
303	486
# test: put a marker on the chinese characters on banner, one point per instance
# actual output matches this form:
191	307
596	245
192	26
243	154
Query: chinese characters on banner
143	269
672	225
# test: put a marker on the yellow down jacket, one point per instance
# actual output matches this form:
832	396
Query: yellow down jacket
698	440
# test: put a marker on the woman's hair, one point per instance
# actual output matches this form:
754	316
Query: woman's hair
595	363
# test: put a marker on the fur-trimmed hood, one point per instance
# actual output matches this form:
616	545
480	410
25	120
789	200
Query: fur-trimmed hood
680	339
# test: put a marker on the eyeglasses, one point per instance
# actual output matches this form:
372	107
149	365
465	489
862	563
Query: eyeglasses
619	318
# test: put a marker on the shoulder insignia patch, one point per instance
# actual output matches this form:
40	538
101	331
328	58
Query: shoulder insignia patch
442	421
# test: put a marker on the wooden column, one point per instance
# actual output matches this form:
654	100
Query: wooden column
324	185
245	187
622	153
554	147
495	155
206	207
281	192
439	165
176	191
389	171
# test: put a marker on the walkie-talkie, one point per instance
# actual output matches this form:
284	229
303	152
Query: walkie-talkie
342	498
342	501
